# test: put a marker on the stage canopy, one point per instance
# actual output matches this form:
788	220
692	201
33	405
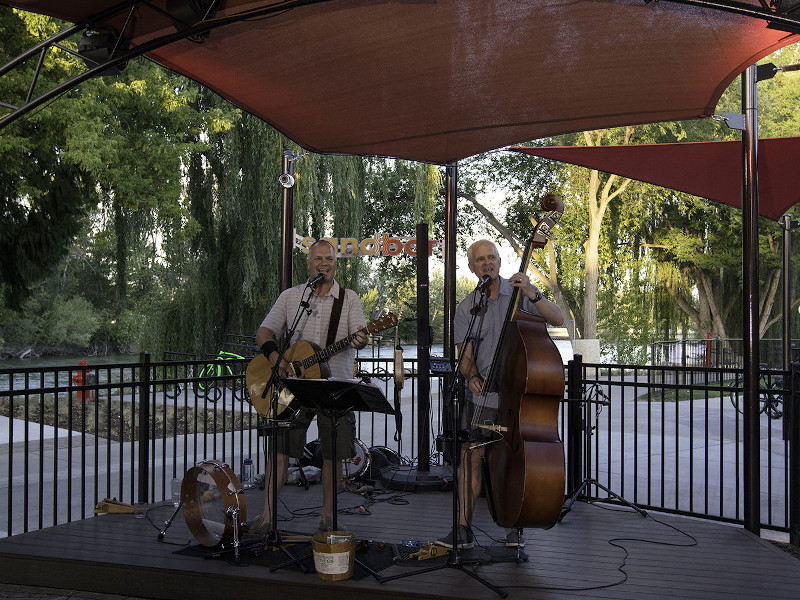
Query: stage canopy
441	80
710	170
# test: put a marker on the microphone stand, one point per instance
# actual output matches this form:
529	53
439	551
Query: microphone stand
455	560
273	536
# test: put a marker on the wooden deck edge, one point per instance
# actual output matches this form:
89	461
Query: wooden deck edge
768	544
169	584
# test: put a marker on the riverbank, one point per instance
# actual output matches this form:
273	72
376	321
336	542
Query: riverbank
29	352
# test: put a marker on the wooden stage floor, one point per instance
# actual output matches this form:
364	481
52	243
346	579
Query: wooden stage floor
597	551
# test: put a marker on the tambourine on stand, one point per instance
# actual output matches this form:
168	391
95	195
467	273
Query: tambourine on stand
213	505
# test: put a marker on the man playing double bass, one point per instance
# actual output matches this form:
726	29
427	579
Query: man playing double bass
478	352
313	327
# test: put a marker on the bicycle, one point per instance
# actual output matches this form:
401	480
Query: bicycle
770	397
172	391
216	375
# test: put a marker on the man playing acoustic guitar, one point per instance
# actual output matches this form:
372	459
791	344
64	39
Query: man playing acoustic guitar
321	322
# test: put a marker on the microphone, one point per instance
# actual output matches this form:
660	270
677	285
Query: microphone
483	283
313	283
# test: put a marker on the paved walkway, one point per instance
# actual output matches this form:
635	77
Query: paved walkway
19	430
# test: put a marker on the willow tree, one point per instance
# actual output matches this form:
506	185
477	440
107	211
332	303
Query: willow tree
330	202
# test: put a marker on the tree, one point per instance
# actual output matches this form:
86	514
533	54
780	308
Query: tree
43	197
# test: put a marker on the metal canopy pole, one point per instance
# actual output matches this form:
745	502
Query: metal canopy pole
287	212
750	301
786	223
423	352
450	275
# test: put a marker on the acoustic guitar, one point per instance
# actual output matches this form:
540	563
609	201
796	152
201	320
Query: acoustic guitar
307	361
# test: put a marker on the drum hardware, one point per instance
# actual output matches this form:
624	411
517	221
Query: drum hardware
168	523
233	513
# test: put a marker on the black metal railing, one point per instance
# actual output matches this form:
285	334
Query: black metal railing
671	439
713	353
664	438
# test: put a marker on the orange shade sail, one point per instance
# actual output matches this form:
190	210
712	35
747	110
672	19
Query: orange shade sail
438	81
711	170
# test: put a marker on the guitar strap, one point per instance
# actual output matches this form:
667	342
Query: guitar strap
336	313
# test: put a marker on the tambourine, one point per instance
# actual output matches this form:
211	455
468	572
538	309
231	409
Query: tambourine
211	498
355	467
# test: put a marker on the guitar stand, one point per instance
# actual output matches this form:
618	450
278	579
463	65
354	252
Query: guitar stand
575	494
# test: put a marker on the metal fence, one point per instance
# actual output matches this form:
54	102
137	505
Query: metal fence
713	353
671	439
664	438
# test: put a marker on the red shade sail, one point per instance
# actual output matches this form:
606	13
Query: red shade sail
710	170
438	81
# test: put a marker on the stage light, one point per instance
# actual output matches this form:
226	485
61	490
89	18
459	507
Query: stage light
97	46
286	180
185	13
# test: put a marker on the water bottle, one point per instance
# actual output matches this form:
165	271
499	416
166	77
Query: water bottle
175	486
247	473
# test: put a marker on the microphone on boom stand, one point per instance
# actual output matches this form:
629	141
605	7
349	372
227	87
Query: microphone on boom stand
314	282
480	307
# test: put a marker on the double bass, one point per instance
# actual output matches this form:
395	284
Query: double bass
526	467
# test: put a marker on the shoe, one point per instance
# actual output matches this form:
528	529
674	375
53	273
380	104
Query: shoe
465	539
258	526
514	540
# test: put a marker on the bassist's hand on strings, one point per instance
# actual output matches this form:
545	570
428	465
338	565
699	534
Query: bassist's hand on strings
523	282
550	311
475	384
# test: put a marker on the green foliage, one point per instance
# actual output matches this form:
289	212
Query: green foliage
71	322
369	302
43	196
123	332
51	318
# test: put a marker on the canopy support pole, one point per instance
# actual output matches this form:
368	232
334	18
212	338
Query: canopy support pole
750	303
450	275
287	213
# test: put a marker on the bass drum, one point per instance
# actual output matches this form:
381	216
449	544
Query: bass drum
352	468
211	495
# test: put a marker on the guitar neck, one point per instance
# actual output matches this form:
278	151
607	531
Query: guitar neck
324	354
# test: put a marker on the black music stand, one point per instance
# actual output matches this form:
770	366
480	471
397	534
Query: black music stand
334	398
